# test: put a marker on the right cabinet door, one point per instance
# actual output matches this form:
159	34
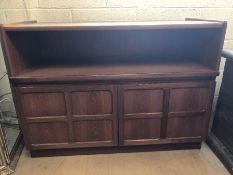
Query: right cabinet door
188	113
158	113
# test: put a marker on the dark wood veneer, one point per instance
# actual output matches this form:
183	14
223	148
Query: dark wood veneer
113	84
48	132
43	104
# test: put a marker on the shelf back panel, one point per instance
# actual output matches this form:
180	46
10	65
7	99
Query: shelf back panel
45	48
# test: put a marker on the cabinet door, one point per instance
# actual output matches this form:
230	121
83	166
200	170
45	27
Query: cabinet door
140	109
164	112
94	115
188	111
68	116
43	116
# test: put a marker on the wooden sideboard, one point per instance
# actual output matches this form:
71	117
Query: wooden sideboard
113	84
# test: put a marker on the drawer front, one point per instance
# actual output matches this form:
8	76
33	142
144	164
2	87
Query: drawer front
68	116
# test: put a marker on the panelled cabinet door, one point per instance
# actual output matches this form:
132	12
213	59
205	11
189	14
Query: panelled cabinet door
68	116
94	115
164	112
140	114
43	116
188	108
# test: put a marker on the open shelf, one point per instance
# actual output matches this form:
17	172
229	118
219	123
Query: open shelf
112	51
113	72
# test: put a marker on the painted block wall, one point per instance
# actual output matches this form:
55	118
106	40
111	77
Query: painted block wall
115	10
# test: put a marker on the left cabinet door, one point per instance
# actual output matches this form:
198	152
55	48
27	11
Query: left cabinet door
43	116
67	116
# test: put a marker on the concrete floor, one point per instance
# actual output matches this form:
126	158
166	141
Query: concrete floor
180	162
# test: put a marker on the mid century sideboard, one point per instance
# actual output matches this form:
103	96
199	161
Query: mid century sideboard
113	84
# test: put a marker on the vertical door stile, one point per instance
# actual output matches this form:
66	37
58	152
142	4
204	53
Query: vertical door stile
120	104
115	115
166	98
69	116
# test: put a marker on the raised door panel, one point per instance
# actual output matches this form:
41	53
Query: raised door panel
188	107
93	131
136	129
46	133
141	113
143	101
188	99
185	127
37	104
91	102
94	115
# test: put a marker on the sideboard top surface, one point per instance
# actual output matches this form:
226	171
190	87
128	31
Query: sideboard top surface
112	25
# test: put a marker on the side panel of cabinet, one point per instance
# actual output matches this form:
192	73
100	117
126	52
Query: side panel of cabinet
68	116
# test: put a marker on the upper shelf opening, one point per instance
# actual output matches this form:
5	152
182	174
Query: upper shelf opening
160	44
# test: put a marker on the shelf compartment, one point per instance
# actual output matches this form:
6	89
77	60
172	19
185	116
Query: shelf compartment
187	42
113	72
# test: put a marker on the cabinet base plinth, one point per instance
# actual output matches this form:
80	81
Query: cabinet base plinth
111	150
